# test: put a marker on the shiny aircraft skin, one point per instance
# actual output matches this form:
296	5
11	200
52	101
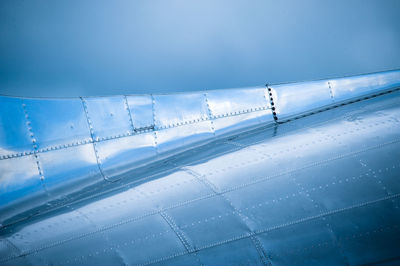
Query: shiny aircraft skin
291	174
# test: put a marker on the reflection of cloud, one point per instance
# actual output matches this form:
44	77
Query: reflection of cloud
17	171
4	151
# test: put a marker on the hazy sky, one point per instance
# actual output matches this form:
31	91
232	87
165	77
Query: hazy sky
73	48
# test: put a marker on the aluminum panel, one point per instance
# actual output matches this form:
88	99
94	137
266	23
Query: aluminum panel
141	109
293	99
225	171
183	137
200	221
21	187
42	242
173	189
57	122
148	240
368	234
119	157
351	87
89	250
179	109
108	116
305	243
225	126
14	135
180	260
238	252
280	197
145	199
46	232
237	101
70	170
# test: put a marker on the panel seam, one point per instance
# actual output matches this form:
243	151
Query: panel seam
209	114
91	130
129	114
331	92
35	147
269	229
262	253
143	130
271	100
263	179
137	131
170	207
153	110
181	235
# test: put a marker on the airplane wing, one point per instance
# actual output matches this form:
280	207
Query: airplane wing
299	173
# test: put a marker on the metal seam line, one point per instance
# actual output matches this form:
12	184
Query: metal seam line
92	136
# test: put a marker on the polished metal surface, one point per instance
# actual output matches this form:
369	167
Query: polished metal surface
205	178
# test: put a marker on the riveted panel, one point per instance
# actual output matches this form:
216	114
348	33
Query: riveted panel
182	259
305	243
231	124
137	240
335	188
237	101
7	250
237	252
200	221
368	233
70	170
173	189
57	122
179	109
183	137
47	231
141	109
108	116
42	241
291	100
14	135
351	87
118	157
147	198
90	250
281	198
21	187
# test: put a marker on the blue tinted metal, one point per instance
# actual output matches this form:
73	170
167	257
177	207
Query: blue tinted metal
21	187
108	116
57	122
14	136
141	110
231	124
322	189
119	157
241	252
181	121
296	98
236	109
200	220
297	245
69	170
179	109
350	87
183	137
236	101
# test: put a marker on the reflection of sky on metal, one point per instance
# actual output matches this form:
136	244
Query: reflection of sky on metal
70	48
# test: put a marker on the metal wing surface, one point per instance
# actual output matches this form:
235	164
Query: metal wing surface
301	173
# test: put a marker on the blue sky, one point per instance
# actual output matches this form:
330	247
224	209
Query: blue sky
80	48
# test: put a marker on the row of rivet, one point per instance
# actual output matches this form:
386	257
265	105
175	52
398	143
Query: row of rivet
136	131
